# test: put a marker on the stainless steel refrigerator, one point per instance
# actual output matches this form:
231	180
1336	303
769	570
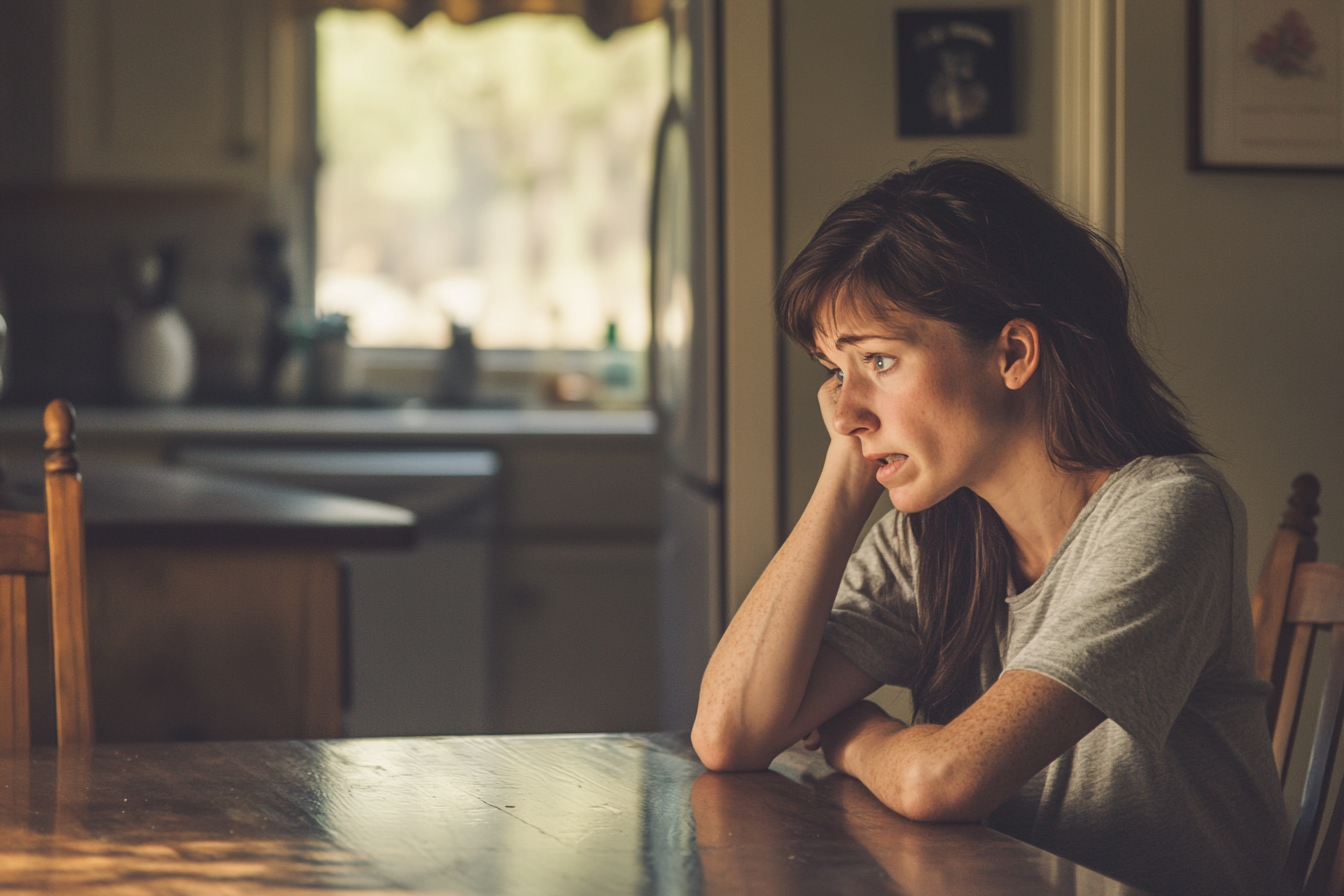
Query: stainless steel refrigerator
687	360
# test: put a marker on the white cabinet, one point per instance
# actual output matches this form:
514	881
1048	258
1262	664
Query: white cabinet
154	93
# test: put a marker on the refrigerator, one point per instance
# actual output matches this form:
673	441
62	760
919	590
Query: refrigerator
686	361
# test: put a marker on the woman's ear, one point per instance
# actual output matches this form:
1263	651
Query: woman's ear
1019	352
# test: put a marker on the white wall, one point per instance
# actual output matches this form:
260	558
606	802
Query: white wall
1243	279
838	112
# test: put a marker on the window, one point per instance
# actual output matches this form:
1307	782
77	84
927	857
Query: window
495	176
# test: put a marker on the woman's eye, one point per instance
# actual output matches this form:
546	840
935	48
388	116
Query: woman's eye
839	376
882	362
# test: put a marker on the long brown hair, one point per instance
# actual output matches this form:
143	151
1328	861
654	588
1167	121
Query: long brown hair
965	242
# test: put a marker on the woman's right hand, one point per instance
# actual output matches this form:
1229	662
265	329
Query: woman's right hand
845	462
770	679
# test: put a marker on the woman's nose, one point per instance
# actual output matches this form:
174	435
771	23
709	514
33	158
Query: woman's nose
852	414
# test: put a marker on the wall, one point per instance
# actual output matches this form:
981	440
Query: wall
838	129
1243	279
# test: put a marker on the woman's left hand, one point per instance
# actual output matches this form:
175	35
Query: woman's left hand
841	738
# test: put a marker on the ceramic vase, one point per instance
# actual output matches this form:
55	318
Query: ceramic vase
158	357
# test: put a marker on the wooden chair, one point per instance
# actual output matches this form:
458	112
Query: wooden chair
50	543
1294	597
1275	641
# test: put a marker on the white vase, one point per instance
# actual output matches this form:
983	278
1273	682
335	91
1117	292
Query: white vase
158	357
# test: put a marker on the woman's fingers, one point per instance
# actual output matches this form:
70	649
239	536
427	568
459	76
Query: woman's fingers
813	740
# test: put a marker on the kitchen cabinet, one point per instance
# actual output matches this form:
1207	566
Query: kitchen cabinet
215	603
215	644
570	571
148	93
576	636
576	624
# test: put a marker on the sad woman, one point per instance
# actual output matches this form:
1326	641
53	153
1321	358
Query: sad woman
1062	582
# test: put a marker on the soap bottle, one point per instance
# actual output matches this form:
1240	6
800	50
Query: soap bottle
615	372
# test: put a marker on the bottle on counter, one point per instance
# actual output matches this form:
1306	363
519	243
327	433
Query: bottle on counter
618	375
456	385
157	353
271	273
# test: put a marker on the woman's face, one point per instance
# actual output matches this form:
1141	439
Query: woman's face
936	412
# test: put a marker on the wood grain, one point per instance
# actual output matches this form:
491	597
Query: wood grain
14	717
591	815
1294	542
69	579
206	644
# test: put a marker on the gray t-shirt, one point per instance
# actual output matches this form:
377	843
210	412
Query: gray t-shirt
1143	612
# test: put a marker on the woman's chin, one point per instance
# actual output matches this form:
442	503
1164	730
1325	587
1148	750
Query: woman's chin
909	497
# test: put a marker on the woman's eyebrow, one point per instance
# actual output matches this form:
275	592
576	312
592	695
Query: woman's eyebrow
895	335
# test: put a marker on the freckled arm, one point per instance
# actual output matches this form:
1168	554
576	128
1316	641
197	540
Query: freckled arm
963	770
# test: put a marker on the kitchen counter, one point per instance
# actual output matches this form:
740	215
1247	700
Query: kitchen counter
171	507
136	506
215	602
345	424
575	526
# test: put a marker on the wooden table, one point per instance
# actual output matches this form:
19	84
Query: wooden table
551	814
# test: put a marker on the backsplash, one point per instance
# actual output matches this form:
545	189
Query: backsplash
60	253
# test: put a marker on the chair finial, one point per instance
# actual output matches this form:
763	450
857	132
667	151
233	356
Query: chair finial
59	422
1301	513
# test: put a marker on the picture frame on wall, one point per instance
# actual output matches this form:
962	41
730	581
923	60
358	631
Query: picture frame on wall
954	72
1266	85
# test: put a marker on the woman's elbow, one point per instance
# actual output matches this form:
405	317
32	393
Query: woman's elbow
934	792
719	751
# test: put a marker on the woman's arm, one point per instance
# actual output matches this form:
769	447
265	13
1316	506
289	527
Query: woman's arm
770	680
963	770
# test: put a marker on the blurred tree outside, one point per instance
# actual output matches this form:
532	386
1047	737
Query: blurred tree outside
495	175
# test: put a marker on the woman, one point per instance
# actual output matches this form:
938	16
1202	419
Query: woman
1062	583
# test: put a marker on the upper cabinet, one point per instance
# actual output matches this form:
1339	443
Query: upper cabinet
158	93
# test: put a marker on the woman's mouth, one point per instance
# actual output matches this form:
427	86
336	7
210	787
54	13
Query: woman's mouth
888	467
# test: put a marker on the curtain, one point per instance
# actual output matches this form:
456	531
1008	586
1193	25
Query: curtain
603	17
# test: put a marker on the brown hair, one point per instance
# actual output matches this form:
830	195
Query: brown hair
965	242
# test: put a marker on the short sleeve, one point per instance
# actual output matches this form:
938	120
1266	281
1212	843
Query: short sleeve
1146	610
874	622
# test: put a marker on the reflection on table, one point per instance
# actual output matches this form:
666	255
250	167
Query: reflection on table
598	814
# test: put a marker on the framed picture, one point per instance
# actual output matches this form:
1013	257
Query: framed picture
954	72
1267	85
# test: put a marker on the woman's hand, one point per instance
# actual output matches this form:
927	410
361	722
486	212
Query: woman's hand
770	678
844	457
965	769
843	737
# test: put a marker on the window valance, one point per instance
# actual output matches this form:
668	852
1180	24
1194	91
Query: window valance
603	17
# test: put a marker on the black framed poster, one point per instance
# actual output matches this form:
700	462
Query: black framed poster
954	72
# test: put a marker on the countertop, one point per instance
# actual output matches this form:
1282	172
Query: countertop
161	506
350	424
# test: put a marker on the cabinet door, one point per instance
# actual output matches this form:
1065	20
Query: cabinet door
214	644
163	92
575	644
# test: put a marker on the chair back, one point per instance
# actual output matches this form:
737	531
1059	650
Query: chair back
52	544
1293	543
1316	600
